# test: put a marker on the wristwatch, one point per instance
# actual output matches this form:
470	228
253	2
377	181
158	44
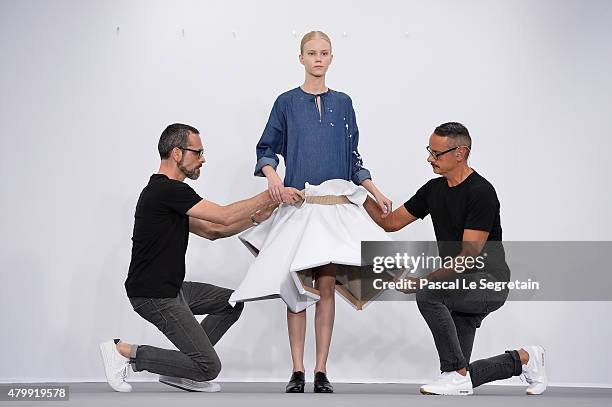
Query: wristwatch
253	221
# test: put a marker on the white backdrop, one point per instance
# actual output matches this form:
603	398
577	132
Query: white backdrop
87	87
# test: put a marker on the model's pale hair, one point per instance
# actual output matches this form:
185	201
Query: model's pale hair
311	36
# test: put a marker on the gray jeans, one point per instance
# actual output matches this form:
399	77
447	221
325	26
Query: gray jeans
195	358
453	317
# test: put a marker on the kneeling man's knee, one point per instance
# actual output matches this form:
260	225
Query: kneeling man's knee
208	370
215	369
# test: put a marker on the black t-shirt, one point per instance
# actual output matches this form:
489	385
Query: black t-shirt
161	233
472	204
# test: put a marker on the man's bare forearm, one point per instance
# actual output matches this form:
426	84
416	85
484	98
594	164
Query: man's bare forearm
213	231
222	231
258	216
396	220
242	210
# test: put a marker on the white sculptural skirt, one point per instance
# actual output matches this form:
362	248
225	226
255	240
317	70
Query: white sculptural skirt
327	228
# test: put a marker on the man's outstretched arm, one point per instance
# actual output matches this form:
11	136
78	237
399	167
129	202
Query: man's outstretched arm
395	221
212	231
230	214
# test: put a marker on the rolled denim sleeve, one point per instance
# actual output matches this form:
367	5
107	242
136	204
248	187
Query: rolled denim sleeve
272	141
358	172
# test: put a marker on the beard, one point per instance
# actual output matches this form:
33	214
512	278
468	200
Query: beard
191	174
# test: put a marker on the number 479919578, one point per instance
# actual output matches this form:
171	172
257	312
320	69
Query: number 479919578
35	392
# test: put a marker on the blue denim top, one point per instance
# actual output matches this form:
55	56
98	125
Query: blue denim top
316	146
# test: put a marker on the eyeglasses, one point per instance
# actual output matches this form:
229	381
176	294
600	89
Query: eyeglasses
200	152
436	155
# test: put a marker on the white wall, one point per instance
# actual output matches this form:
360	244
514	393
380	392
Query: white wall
82	106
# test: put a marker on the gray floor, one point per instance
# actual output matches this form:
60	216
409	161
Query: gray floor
347	394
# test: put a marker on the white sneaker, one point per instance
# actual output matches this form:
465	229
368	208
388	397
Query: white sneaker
450	384
535	371
115	367
190	385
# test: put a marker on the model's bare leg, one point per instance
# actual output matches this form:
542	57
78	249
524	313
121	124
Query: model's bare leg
325	313
296	324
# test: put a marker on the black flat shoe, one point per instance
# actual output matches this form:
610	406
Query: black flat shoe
296	383
321	384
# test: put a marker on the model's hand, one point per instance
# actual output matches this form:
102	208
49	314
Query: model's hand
276	188
292	196
384	203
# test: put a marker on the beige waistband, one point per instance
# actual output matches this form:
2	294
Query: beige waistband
328	200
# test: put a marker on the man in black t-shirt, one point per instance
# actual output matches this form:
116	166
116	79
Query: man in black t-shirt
167	211
465	213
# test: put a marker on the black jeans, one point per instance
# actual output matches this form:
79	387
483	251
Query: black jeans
196	358
453	317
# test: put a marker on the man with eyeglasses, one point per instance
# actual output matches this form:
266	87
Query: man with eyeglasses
167	210
465	214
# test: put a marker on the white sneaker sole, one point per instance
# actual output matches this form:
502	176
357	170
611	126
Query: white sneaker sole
453	393
214	388
536	391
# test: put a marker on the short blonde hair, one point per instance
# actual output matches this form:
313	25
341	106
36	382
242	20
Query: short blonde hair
311	36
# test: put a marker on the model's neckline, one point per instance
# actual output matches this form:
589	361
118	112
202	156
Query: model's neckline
314	94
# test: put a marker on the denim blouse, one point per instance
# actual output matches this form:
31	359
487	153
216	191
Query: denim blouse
316	146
